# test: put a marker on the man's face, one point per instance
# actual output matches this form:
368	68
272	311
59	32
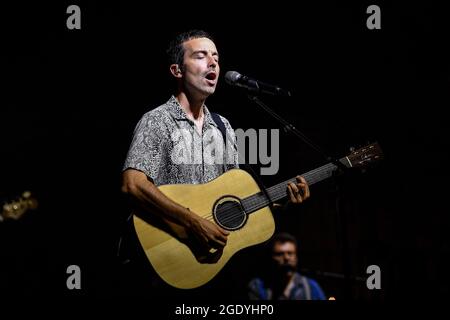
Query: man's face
284	255
201	66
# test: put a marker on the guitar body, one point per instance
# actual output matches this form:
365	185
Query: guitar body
173	259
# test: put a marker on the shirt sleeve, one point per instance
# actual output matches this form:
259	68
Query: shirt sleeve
146	150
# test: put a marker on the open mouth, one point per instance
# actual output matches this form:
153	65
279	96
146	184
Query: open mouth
211	76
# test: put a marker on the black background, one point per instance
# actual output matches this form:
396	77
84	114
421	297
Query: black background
71	98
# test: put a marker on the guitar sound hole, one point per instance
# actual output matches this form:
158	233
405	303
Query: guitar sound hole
229	214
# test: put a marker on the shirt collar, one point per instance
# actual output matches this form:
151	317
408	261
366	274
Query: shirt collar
178	113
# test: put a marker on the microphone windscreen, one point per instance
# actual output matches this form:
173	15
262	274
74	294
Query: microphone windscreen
231	77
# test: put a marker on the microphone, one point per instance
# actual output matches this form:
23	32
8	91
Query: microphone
234	78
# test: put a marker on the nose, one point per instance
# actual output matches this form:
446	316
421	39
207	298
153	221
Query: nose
212	63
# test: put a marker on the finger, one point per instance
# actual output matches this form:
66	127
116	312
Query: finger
297	193
303	191
306	193
298	196
304	187
203	241
223	231
217	244
300	179
291	194
221	238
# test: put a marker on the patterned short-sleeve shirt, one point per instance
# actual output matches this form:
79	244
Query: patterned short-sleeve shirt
167	147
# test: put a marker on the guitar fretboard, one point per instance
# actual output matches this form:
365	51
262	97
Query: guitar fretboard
278	191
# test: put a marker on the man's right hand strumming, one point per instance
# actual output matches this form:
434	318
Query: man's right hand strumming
148	196
208	233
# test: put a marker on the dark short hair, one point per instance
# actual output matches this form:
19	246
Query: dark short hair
282	237
175	51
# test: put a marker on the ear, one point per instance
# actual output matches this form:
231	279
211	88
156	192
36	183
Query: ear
175	70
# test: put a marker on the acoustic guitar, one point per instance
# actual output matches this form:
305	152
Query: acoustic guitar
233	201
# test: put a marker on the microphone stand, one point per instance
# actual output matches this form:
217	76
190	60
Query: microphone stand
289	127
339	204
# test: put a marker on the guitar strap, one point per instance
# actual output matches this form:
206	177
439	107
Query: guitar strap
221	126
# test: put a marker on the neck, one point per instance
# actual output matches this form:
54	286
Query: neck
191	105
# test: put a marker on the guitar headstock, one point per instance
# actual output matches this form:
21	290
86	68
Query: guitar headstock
16	208
366	156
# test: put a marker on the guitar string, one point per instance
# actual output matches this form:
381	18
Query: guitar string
253	201
276	192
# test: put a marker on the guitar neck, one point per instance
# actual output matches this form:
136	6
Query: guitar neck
278	191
